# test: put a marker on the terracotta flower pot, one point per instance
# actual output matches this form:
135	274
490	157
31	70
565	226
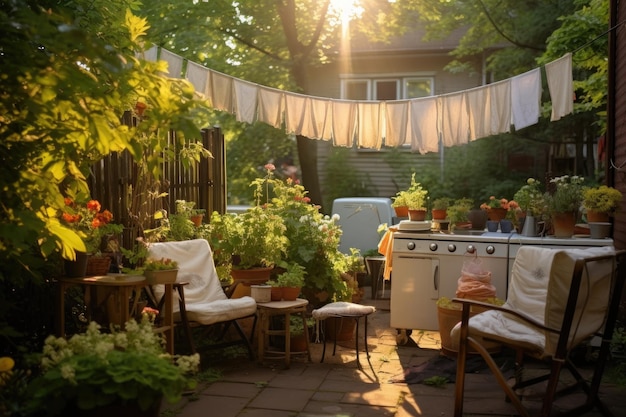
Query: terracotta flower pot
563	224
597	217
402	211
417	215
439	214
496	214
290	293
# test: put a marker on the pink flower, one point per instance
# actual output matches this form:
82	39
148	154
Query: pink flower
270	167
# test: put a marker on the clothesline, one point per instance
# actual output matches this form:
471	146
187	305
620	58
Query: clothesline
453	118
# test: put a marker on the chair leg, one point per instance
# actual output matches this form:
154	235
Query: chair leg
184	319
356	343
323	330
244	339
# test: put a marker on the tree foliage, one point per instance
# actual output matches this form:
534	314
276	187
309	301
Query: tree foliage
69	72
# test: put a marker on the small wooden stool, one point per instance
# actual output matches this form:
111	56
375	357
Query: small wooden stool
344	309
285	308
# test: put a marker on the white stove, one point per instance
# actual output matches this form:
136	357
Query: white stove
427	266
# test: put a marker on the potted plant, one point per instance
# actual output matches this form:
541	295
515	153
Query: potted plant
496	208
160	271
563	202
530	199
600	202
440	208
458	211
96	231
291	280
114	371
312	238
296	332
414	198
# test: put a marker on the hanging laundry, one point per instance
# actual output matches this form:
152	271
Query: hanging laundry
198	76
246	95
317	120
560	85
424	122
344	122
369	126
221	92
526	98
454	118
397	127
479	114
499	105
295	105
174	63
271	106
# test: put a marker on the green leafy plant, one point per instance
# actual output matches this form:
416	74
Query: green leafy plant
95	368
441	203
566	194
414	197
459	209
292	277
602	199
251	239
530	198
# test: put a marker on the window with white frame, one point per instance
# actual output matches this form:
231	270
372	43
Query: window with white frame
386	88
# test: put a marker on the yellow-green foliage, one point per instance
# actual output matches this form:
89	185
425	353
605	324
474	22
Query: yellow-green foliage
602	199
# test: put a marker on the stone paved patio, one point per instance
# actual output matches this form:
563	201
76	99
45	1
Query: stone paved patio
337	388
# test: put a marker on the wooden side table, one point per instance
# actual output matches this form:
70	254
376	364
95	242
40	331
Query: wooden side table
119	295
265	311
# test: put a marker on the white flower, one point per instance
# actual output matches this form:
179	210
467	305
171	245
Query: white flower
336	217
68	372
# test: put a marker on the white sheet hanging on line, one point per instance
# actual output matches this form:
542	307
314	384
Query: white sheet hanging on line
344	122
479	114
294	112
526	98
397	127
561	86
245	100
221	92
500	106
424	124
174	63
369	125
271	106
198	76
454	118
317	119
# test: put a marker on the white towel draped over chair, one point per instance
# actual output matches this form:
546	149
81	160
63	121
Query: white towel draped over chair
205	302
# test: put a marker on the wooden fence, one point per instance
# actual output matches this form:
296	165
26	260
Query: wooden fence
116	182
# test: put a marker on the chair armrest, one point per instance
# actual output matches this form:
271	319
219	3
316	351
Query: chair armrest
531	321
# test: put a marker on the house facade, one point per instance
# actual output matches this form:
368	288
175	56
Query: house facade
406	68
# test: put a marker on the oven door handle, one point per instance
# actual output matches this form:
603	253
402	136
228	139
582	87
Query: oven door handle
436	277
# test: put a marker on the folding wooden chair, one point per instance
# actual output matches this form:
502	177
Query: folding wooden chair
558	299
201	298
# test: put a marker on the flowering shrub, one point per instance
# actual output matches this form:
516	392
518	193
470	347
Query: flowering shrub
90	223
494	202
93	369
567	194
313	238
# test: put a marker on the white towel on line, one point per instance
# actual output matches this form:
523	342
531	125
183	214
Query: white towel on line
344	122
560	84
454	118
221	92
526	98
245	100
271	106
397	126
317	119
369	127
294	112
198	76
424	124
174	63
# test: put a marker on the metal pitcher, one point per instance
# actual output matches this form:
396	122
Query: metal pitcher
532	227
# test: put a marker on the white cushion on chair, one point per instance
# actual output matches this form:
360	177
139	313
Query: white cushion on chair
540	282
342	309
205	300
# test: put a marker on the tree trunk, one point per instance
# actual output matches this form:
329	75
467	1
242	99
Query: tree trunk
307	155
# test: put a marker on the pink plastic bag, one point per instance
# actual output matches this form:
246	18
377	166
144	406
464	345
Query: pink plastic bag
475	281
